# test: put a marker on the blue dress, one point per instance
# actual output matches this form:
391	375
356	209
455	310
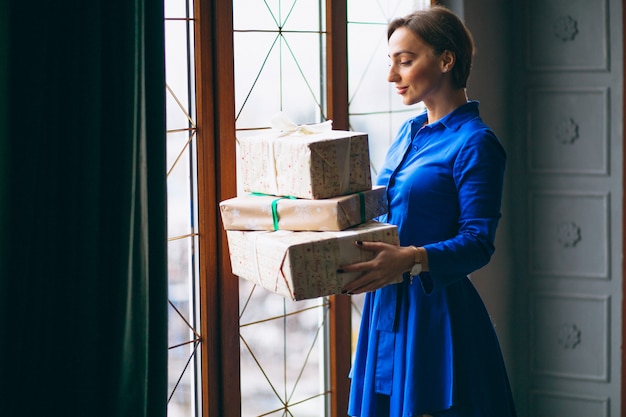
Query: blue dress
429	343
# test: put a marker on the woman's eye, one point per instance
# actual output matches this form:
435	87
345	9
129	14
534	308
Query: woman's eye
405	63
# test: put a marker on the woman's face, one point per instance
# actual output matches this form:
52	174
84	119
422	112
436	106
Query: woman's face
415	69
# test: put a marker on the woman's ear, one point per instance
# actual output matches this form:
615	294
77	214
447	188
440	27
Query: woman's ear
448	59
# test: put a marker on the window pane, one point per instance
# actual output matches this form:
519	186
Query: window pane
374	107
381	11
183	339
381	128
253	15
178	191
277	69
279	65
281	353
303	15
180	292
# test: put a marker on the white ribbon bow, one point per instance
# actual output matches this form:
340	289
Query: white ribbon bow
281	122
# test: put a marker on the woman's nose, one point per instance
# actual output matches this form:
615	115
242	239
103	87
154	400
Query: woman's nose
392	75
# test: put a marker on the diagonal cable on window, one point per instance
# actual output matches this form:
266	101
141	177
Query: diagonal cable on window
182	152
293	313
191	356
286	402
319	105
308	355
196	334
285	410
258	75
196	342
169	89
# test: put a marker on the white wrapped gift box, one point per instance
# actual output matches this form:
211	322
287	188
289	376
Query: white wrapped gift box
263	212
303	265
315	165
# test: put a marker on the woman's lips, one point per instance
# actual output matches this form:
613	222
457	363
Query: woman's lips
401	90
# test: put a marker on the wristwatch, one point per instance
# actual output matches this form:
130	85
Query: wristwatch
417	262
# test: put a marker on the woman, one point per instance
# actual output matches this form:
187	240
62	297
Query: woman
427	346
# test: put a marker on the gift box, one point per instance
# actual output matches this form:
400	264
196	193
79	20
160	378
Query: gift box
314	165
263	212
303	265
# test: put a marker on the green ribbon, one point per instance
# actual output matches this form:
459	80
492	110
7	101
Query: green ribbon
274	205
362	204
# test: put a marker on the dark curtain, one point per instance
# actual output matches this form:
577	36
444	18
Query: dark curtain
83	303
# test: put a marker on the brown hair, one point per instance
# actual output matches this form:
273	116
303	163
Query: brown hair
442	30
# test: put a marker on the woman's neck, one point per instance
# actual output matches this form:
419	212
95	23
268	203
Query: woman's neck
439	108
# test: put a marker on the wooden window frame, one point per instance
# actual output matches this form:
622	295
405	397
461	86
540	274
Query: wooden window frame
219	289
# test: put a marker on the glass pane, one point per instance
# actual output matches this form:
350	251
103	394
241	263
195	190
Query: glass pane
381	11
176	62
254	15
304	15
374	107
368	88
301	77
257	78
279	65
278	61
298	15
175	8
357	313
180	292
381	129
179	192
175	117
183	339
277	72
373	100
281	353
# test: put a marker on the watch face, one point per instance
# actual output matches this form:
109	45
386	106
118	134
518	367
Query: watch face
417	268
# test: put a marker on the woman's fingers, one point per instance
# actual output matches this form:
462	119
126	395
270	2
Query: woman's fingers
377	272
364	284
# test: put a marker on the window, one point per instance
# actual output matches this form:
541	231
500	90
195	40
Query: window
293	358
280	66
183	316
374	106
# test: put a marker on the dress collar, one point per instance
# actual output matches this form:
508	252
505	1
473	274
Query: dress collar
453	120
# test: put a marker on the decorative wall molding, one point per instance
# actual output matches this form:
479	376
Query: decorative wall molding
568	131
565	28
567	36
569	234
570	335
554	403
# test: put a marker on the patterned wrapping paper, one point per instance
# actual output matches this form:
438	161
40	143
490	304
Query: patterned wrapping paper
336	213
303	265
318	165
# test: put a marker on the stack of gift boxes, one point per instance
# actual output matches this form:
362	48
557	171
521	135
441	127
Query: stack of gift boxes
309	198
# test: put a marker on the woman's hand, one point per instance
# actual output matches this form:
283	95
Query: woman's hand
389	263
